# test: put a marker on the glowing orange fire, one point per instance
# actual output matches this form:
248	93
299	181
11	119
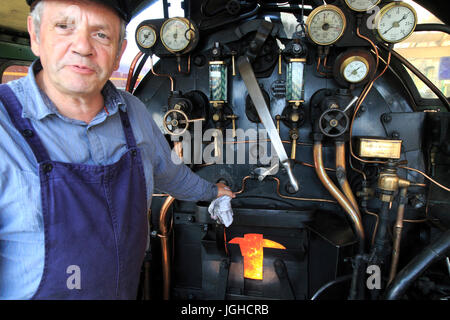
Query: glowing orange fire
252	250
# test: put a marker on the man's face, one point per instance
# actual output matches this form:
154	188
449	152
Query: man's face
78	46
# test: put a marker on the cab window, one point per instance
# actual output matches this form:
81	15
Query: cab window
430	53
14	72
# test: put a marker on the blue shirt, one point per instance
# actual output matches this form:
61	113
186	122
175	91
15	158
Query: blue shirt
101	142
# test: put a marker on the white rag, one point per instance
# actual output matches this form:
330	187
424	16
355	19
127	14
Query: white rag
220	209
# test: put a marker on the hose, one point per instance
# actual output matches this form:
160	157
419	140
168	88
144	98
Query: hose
433	252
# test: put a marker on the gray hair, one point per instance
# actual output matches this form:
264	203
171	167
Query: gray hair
38	9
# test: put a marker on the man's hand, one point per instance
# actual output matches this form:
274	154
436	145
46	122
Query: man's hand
224	190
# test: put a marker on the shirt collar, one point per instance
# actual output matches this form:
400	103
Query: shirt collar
38	105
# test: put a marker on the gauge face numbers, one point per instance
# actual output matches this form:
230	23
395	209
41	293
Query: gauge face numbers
146	36
355	69
176	34
395	22
361	5
326	25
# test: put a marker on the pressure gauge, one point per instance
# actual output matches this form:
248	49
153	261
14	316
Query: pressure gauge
146	36
326	24
395	22
355	69
178	34
361	5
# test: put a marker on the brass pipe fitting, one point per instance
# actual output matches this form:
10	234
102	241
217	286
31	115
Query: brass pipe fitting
389	182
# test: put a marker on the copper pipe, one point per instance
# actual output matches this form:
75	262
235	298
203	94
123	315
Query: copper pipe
243	185
335	192
375	228
398	233
341	175
172	86
281	195
179	65
165	229
131	71
297	198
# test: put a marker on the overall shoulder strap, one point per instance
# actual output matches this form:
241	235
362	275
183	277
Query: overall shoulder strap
129	136
23	125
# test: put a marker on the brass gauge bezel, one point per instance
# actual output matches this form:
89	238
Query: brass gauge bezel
191	28
318	10
385	10
362	10
348	56
150	27
350	60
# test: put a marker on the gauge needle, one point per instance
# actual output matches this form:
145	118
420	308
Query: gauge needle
356	70
396	24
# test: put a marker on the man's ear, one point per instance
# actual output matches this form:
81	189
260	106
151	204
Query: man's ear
33	36
119	57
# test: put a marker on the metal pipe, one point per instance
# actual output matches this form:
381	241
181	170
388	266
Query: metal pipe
131	71
433	252
429	27
341	175
165	229
398	233
335	192
421	76
376	254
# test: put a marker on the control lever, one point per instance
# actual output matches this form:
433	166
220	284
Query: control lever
351	103
247	74
264	172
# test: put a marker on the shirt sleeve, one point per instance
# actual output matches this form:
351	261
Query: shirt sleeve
176	178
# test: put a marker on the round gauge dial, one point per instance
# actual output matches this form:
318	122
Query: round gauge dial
361	5
326	24
355	69
177	34
146	36
396	22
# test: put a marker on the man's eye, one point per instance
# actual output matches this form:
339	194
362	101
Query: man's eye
62	26
102	35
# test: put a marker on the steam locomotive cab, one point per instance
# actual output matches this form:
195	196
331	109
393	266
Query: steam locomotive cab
305	110
321	118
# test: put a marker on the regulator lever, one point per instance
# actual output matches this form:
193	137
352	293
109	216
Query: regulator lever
247	74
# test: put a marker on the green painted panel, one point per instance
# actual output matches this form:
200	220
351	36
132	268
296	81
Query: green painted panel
16	52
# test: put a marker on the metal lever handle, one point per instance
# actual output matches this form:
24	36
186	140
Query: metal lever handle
247	74
352	102
287	165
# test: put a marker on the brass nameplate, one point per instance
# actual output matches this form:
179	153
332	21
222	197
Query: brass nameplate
380	148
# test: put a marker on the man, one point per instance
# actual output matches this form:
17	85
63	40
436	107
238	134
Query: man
79	162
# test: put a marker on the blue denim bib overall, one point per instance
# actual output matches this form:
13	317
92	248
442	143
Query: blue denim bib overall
95	219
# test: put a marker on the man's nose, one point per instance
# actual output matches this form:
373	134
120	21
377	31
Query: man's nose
82	44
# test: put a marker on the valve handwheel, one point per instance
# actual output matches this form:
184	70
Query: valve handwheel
178	126
177	120
333	123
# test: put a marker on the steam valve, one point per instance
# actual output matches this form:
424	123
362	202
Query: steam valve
294	137
333	122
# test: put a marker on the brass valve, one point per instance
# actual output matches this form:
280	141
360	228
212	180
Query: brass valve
389	182
294	137
233	118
